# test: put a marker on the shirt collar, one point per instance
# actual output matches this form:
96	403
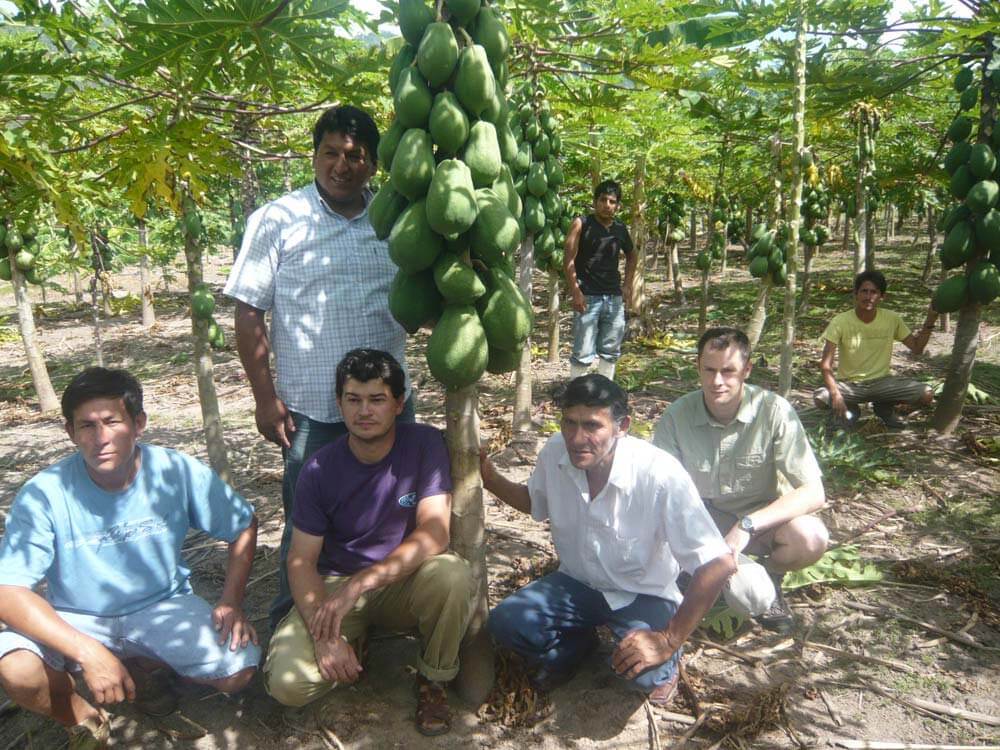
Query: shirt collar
746	414
366	196
621	466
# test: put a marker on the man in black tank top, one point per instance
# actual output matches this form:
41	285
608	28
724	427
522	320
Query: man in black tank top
592	248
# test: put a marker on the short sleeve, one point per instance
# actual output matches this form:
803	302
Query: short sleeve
793	455
307	513
626	240
693	537
28	546
665	434
832	333
252	278
435	466
901	331
215	507
537	484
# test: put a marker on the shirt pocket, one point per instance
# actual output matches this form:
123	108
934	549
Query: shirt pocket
753	473
620	553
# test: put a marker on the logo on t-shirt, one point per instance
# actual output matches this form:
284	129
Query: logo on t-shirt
409	500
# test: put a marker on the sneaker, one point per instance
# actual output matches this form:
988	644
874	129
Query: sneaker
87	736
664	694
887	413
778	618
433	714
154	692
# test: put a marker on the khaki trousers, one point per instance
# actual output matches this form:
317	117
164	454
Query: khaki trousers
436	601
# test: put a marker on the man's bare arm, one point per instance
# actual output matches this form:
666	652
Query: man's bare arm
570	249
837	404
228	616
514	494
273	420
917	342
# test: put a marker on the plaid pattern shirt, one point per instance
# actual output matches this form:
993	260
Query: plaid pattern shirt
325	280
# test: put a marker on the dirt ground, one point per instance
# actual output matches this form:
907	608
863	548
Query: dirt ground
911	658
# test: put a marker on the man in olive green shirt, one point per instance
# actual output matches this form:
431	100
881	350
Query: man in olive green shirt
749	457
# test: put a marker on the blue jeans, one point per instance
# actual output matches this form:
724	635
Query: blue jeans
599	329
309	436
551	622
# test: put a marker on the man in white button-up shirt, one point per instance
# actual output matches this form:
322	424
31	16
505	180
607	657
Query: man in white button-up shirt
626	520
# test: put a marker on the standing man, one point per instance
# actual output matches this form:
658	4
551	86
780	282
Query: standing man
311	258
861	339
751	461
625	521
104	527
371	519
592	248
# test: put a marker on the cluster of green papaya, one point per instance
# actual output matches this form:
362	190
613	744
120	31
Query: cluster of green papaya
720	219
538	174
972	227
814	206
869	121
190	223
768	253
202	307
671	216
18	253
450	209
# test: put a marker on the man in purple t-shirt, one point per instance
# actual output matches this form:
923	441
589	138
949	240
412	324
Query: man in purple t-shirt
371	530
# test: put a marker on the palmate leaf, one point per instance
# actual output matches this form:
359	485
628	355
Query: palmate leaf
840	565
723	620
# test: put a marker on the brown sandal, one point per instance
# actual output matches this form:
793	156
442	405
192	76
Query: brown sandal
433	714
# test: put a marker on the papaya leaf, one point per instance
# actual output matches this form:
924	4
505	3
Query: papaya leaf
840	565
723	621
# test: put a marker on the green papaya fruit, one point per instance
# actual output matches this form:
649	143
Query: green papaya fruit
960	128
553	172
963	78
537	183
969	99
545	242
448	124
958	213
413	164
522	161
758	231
403	59
503	186
5	272
457	351
507	143
437	53
489	32
702	261
202	302
32	277
982	196
414	18
463	10
413	245
505	313
496	107
957	246
984	282
957	156
414	300
495	233
459	245
24	260
556	144
384	209
961	182
988	229
501	72
950	294
474	83
501	361
456	281
542	147
759	267
982	162
807	237
389	142
451	199
482	154
532	130
553	206
412	99
534	214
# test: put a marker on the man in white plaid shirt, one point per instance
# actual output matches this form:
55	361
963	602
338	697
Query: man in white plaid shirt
312	259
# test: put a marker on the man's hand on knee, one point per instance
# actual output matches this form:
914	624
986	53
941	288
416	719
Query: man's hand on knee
337	661
105	675
641	649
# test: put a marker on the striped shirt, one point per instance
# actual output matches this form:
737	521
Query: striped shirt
325	280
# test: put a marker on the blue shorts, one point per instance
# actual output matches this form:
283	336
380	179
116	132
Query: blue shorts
177	631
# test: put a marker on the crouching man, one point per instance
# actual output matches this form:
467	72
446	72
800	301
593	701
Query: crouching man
626	520
371	529
104	527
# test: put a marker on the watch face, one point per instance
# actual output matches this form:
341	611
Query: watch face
746	524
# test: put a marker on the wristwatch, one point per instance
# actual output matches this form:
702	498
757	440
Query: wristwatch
746	524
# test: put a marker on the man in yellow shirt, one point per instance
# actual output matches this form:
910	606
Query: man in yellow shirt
861	339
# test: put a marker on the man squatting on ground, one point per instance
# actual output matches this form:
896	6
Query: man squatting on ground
625	521
369	547
861	340
104	527
752	464
598	298
312	259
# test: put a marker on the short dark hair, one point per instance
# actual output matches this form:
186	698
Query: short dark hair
100	382
594	390
723	337
875	277
350	121
370	364
608	187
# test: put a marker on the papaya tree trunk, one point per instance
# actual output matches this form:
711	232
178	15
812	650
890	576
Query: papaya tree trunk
675	265
204	369
861	220
77	286
554	284
932	241
703	308
637	312
468	537
665	243
522	396
870	243
595	155
798	118
758	316
845	244
808	252
148	311
694	229
96	311
47	399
